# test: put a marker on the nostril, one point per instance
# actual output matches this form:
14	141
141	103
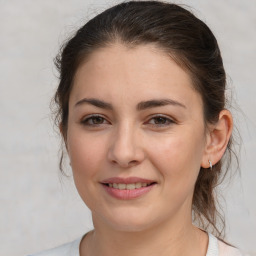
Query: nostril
125	156
125	164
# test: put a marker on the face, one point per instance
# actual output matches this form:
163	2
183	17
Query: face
135	137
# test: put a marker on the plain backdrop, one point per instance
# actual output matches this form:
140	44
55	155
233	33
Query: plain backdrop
40	208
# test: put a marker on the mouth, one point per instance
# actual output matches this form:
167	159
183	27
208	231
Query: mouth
129	186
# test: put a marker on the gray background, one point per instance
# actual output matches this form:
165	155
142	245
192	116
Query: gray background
39	208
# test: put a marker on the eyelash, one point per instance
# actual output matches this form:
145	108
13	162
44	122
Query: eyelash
90	118
167	120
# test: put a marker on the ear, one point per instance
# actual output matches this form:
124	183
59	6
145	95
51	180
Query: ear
217	139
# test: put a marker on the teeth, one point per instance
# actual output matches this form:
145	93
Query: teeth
131	186
121	186
138	185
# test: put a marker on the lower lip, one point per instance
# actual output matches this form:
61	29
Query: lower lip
127	194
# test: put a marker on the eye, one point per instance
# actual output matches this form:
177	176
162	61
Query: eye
160	121
94	120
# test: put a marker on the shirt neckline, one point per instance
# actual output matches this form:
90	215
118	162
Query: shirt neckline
212	249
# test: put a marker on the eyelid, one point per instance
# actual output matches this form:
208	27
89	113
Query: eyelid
88	117
168	118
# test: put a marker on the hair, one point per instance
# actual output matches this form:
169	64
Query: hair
190	43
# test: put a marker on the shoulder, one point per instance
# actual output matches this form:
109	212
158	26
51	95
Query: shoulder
68	249
219	248
227	250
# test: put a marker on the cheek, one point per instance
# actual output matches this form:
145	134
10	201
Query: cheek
87	158
82	156
178	157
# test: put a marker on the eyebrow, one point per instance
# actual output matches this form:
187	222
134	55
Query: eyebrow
140	106
158	103
95	102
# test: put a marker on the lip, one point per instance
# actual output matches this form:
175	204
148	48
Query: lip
127	180
127	194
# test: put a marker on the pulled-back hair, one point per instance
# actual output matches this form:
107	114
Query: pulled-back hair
190	43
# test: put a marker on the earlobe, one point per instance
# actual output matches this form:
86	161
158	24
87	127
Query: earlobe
217	139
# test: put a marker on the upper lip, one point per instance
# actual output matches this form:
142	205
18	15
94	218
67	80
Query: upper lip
128	180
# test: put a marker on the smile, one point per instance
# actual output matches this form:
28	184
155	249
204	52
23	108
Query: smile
127	188
130	186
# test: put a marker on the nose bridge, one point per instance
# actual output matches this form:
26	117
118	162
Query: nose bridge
126	148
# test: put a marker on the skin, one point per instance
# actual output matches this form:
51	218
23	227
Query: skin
124	141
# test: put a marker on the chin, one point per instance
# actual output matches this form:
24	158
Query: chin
129	221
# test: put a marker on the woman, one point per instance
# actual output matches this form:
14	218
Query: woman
141	108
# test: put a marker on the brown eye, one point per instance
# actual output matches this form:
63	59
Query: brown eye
160	121
97	120
94	120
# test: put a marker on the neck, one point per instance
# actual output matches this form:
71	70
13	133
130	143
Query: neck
163	240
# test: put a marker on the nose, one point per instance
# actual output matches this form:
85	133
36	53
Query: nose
126	149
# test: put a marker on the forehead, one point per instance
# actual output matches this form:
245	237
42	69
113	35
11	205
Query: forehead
130	73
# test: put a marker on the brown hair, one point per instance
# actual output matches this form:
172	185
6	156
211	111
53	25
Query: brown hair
189	42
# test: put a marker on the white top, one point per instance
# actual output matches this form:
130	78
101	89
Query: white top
215	248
